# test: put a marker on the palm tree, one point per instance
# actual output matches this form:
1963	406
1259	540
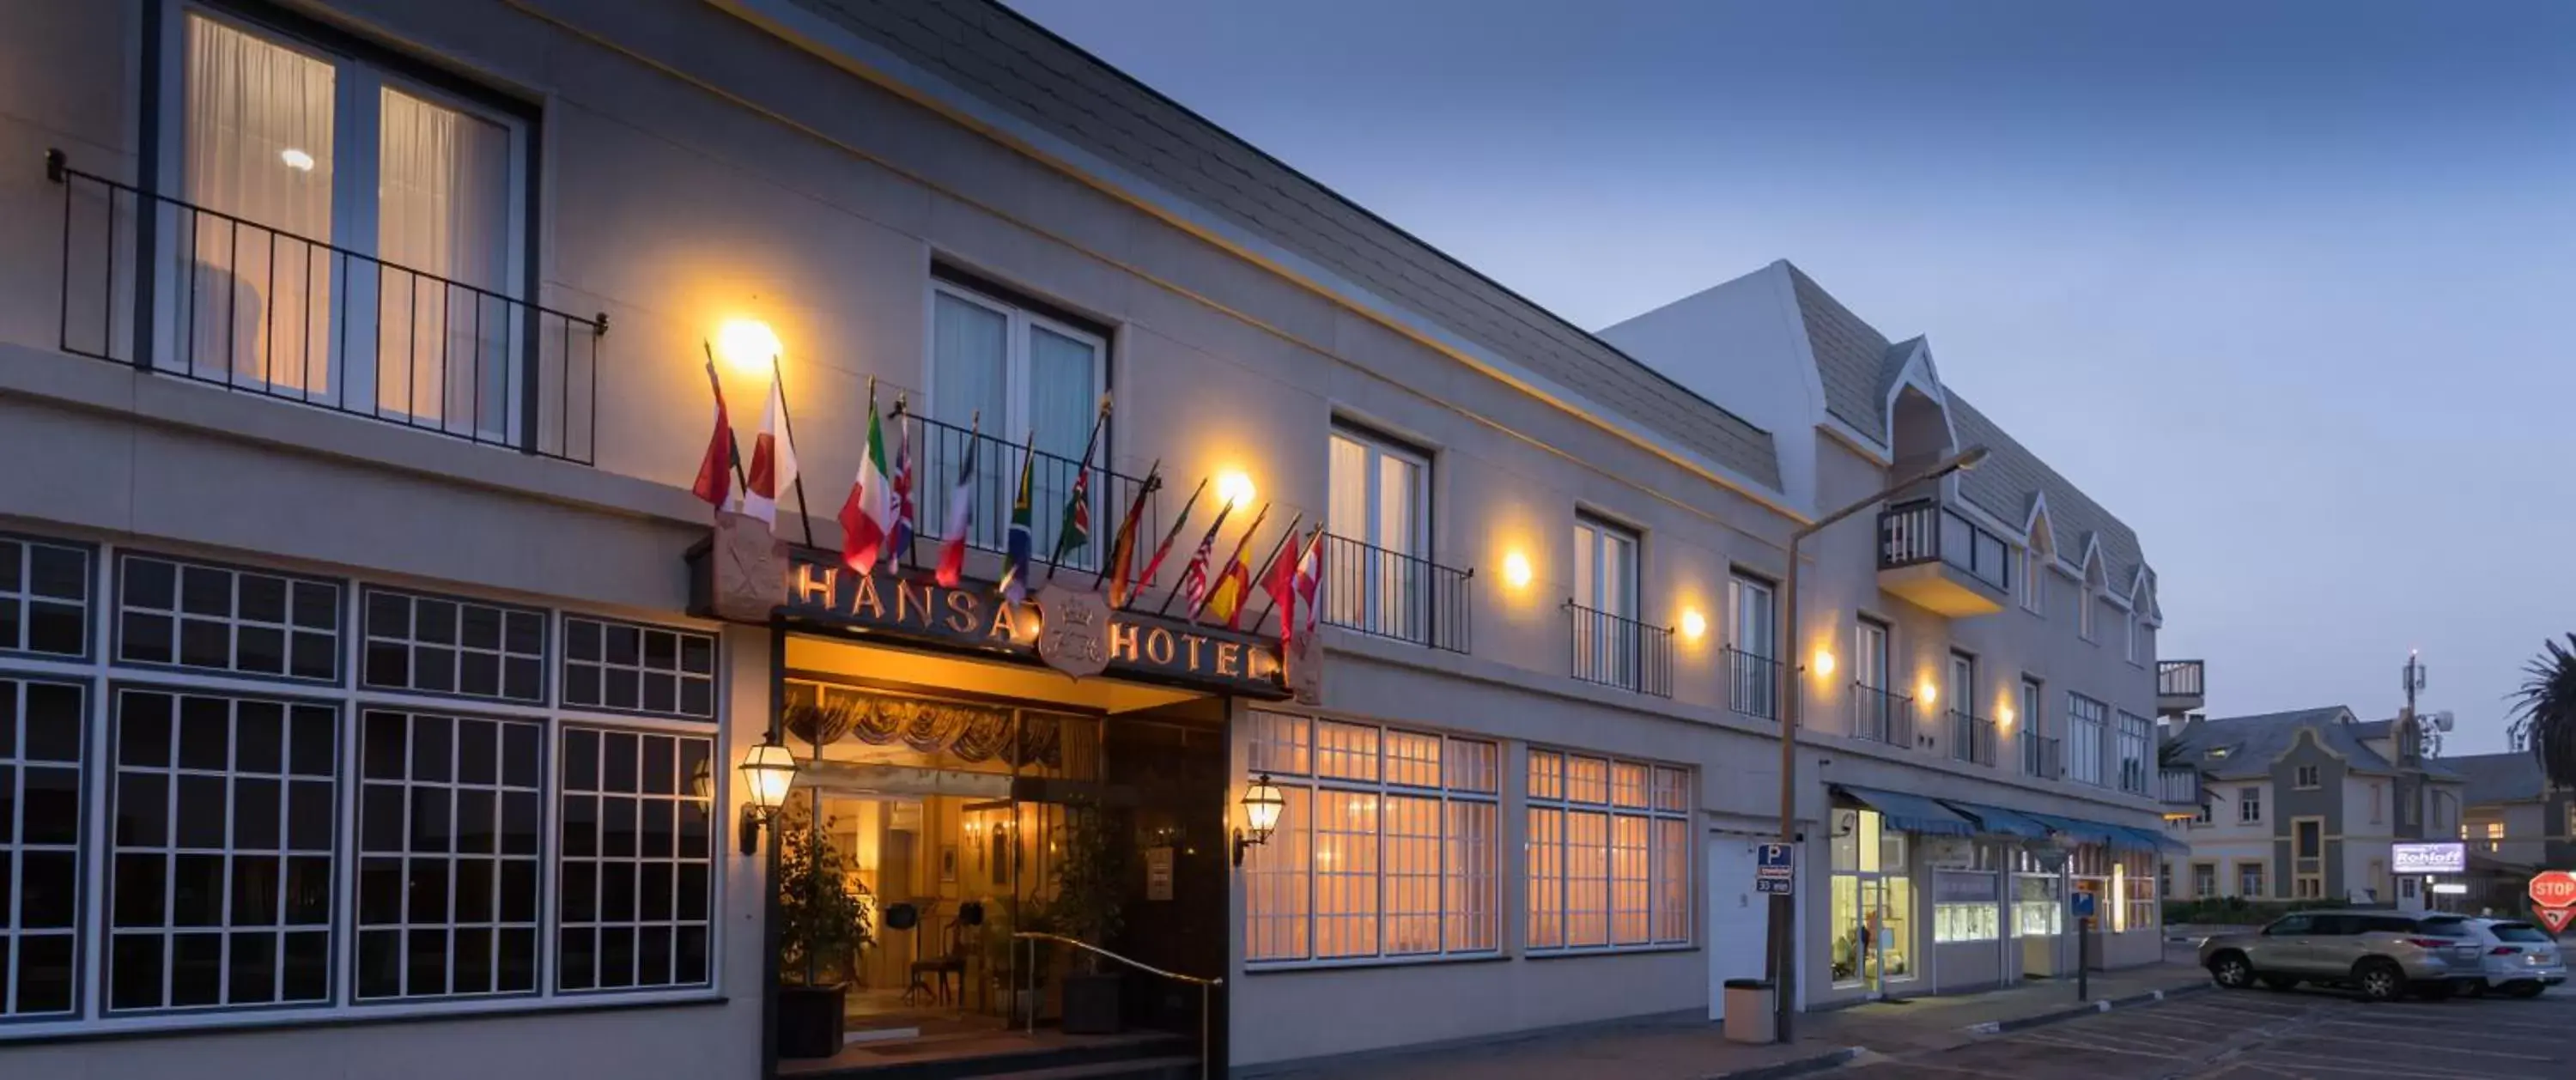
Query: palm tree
2545	711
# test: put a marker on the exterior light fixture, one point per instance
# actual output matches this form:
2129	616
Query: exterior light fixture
1234	488
1929	692
747	344
296	159
1694	624
1262	803
768	771
2004	715
1516	570
1824	663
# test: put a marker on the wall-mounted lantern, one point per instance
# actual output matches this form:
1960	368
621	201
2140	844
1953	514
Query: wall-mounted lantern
1262	803
768	771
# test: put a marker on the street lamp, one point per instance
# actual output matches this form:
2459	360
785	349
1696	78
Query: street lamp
768	771
1784	947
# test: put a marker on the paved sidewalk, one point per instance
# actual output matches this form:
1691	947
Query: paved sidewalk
1699	1051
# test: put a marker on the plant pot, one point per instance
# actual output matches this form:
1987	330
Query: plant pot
809	1020
1091	1004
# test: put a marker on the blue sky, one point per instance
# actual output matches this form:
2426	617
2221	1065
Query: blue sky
2277	283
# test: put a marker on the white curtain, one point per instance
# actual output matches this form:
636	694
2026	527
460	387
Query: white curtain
969	367
257	146
443	353
1063	402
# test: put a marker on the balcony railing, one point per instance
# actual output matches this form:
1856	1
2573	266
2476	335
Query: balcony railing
2043	756
1752	684
185	290
2178	787
1922	531
1391	594
1881	716
2179	678
1972	738
1613	650
939	452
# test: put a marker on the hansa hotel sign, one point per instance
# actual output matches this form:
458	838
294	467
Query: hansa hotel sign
2441	857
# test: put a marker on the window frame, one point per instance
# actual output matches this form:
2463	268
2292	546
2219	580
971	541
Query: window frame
561	659
94	606
1022	316
547	656
1566	803
1378	446
2255	872
113	620
2035	561
2098	727
2249	805
82	931
2306	778
361	67
2133	743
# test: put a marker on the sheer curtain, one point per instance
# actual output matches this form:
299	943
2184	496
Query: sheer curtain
442	211
1063	402
969	365
255	305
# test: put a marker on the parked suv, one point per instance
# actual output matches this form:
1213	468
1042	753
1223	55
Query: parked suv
2517	958
2382	955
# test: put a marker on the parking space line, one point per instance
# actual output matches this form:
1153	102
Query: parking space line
2097	1048
2331	1063
2483	1023
2446	1049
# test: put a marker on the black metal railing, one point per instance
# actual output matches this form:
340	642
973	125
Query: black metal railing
2178	787
1922	530
1972	738
2043	756
1881	716
939	454
1391	594
1753	684
2179	678
186	290
1614	650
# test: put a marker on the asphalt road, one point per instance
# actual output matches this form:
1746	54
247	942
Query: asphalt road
2263	1035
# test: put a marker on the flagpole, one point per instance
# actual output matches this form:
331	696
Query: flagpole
1055	555
789	422
1248	533
1222	513
914	532
1156	561
1269	602
733	445
1153	479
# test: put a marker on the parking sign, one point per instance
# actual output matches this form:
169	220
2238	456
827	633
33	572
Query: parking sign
2082	904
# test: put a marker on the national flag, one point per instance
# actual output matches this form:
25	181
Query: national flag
867	516
1122	550
717	465
899	549
1015	558
1225	597
961	516
1193	586
1280	581
1074	533
773	458
1310	582
1155	564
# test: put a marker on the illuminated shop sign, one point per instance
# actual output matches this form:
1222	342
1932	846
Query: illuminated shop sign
2445	857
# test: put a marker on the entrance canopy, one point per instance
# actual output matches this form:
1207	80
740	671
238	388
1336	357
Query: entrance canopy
2095	832
1911	813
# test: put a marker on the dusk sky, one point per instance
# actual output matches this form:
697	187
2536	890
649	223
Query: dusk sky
2274	285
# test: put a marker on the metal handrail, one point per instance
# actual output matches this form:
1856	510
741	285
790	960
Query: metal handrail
1615	650
1207	988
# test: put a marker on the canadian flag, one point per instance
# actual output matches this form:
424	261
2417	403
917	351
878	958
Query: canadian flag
773	460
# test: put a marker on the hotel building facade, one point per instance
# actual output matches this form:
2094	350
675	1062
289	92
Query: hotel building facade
365	699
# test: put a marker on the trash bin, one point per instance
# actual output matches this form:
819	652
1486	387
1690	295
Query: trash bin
1749	1015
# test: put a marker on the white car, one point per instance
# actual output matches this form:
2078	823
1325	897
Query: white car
2521	960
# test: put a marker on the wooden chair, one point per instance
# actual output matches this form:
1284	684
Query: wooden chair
950	963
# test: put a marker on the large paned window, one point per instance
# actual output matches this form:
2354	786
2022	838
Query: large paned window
437	645
1752	644
1380	508
1967	901
44	598
173	613
1607	861
41	823
1607	643
635	861
2137	737
316	151
623	667
1014	371
448	820
1388	846
2086	729
2134	878
223	850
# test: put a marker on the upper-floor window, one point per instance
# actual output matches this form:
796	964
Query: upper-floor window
362	239
2136	749
2249	805
2036	760
2204	815
220	618
1380	506
44	598
1607	646
2378	798
1752	618
2084	613
1962	690
2087	726
2129	637
1016	374
2306	777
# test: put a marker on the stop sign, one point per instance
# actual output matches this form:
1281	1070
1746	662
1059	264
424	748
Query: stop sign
2554	889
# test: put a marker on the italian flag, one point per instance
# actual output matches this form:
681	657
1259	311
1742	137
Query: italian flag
867	517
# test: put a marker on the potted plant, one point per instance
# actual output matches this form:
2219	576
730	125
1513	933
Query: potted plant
821	925
1090	906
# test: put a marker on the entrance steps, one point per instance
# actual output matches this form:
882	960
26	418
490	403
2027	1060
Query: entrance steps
1007	1055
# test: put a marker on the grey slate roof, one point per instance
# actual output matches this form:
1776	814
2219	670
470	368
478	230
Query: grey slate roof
2513	776
1011	62
1850	357
2254	742
2011	477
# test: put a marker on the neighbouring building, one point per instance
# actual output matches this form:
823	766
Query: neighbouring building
372	684
2311	804
2515	825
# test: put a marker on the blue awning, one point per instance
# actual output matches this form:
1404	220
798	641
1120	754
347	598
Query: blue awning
2090	832
1997	821
1910	813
